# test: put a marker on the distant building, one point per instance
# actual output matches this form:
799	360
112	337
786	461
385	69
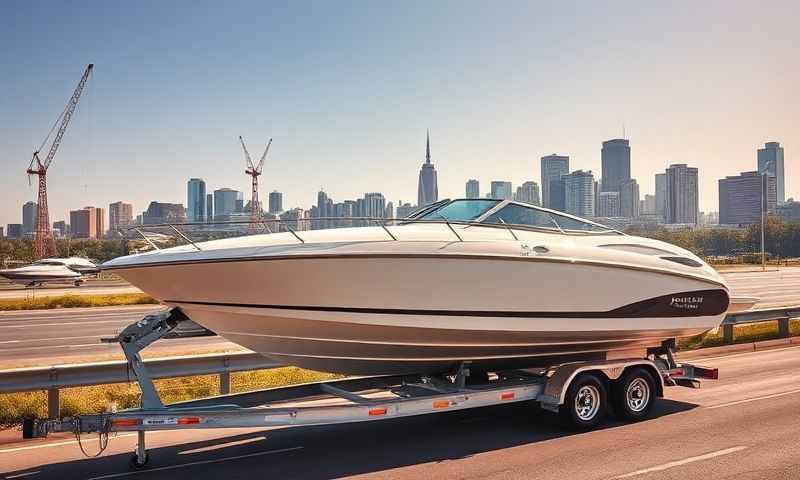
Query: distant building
2	232
196	200
647	206
14	230
473	189
770	161
275	202
60	228
209	207
501	190
661	194
579	193
374	205
296	219
528	192
427	188
557	194
553	167
682	196
120	214
226	202
160	212
790	211
616	164
29	211
629	199
84	222
742	198
608	204
404	209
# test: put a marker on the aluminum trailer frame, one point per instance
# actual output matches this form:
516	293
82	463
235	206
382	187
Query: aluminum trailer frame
361	399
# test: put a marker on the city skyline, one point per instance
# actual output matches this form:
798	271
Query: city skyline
354	125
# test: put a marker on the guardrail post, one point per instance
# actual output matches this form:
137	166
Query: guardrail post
727	333
783	327
53	403
224	383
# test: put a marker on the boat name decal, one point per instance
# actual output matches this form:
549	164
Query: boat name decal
686	303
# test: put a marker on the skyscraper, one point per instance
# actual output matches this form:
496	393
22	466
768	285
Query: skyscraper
770	161
681	205
661	194
501	190
740	198
209	207
120	214
225	202
275	202
196	200
473	189
528	192
404	209
579	193
374	205
616	164
608	204
553	166
84	222
29	210
629	199
648	205
427	189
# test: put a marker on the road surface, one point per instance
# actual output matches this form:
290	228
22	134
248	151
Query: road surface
10	291
742	427
47	337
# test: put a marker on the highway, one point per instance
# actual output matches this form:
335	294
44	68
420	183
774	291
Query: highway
743	426
91	287
46	337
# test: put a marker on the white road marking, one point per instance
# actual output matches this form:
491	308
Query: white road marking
57	444
753	399
201	462
677	463
690	358
222	445
24	474
62	324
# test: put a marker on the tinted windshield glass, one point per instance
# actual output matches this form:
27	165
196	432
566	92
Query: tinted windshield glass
461	210
568	223
513	214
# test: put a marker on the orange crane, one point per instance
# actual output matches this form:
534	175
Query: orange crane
44	244
254	171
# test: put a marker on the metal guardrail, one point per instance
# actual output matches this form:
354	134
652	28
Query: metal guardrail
782	315
54	378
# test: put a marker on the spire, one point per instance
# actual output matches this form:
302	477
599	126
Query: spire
428	148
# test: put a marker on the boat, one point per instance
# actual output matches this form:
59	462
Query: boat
47	270
491	283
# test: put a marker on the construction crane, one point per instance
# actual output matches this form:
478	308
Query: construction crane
44	244
254	171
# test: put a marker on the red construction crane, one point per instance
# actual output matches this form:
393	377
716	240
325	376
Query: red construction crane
44	245
254	171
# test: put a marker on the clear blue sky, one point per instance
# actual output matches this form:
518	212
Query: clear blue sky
347	89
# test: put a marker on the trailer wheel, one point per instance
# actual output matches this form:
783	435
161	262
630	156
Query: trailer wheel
633	394
585	402
137	462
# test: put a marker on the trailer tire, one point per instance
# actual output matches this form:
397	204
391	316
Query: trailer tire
585	403
633	394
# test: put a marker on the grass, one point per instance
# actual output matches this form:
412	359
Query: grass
101	398
76	301
753	332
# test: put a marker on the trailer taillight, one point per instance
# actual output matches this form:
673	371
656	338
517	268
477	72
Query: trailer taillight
507	396
378	411
188	421
125	422
441	404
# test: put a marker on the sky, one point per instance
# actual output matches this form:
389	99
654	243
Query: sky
347	91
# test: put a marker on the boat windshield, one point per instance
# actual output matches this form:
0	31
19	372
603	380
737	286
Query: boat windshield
461	210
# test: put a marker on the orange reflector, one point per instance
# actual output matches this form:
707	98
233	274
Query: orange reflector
507	396
125	422
188	420
441	404
378	411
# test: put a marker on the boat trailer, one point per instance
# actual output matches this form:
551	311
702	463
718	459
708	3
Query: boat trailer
579	392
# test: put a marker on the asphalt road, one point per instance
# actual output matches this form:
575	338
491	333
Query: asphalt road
743	426
46	337
91	287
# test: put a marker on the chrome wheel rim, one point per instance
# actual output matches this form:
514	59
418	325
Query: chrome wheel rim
638	395
587	402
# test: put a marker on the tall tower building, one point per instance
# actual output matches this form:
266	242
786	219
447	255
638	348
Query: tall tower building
427	189
661	194
528	192
629	199
579	193
616	164
275	202
501	190
374	205
120	214
553	167
225	202
473	189
607	204
196	200
742	197
682	196
209	207
770	161
29	211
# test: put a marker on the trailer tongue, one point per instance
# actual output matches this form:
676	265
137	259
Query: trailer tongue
580	392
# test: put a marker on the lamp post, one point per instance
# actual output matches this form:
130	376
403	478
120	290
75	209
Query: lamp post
763	220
